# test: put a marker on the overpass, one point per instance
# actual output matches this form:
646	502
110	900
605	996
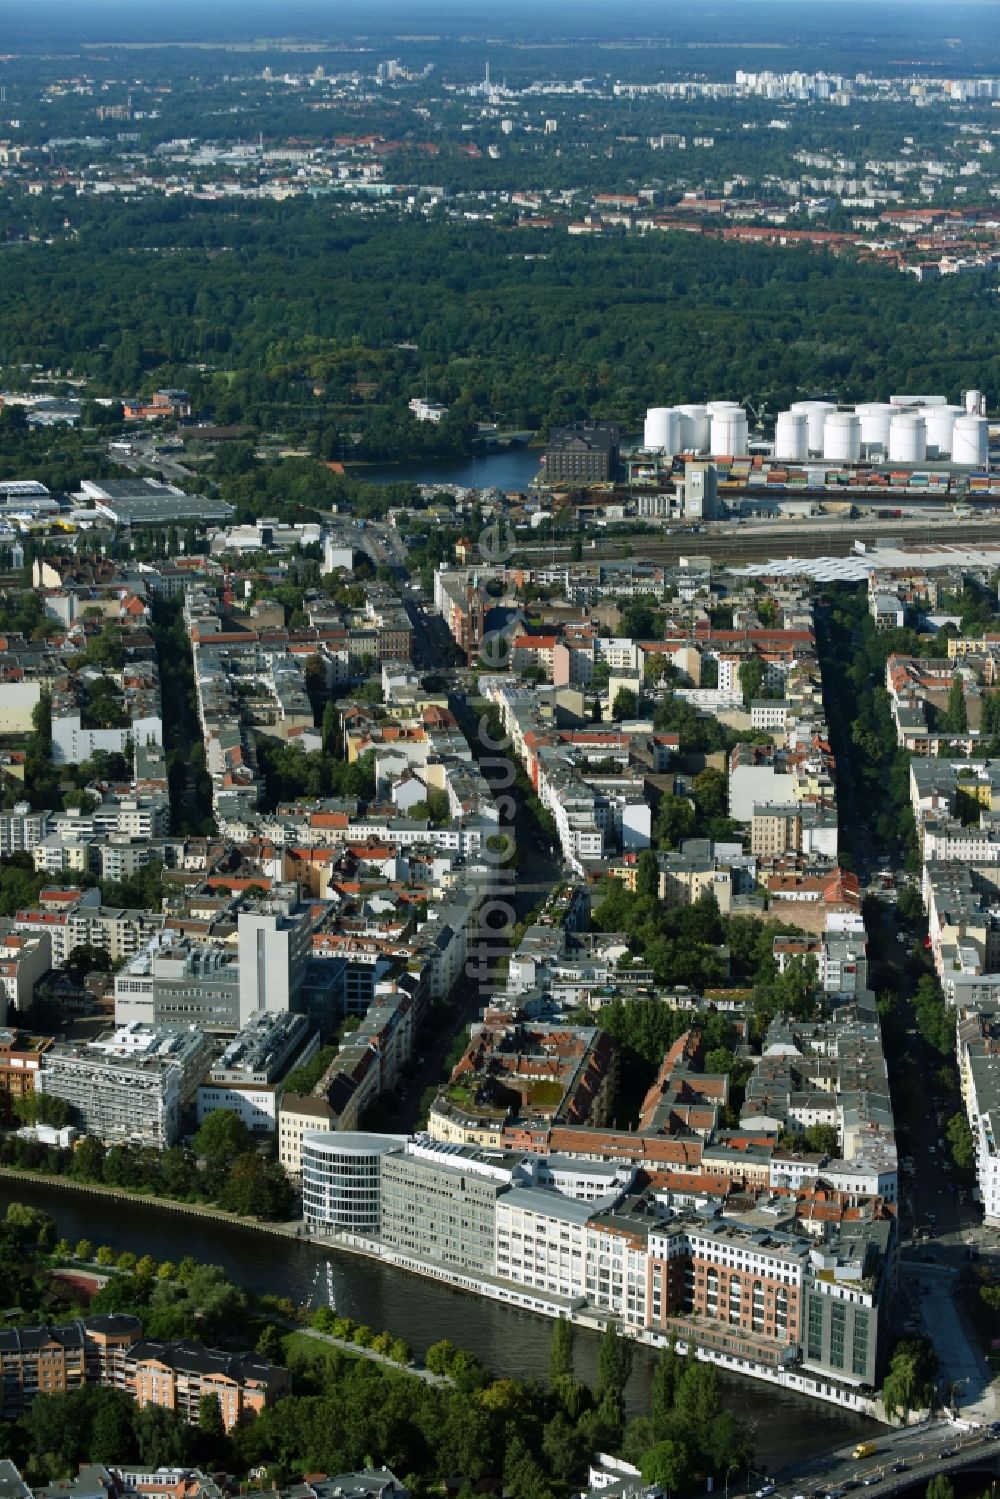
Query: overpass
920	1452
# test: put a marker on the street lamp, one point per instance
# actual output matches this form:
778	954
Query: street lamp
731	1469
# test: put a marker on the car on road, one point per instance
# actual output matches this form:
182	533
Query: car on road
899	1466
833	1494
765	1491
872	1480
850	1483
948	1452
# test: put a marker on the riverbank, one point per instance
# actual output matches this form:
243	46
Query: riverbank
206	1210
781	1376
535	1303
511	1342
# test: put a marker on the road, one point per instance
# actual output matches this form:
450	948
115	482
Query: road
918	1447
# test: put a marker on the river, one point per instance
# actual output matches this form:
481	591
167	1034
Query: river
506	468
512	1343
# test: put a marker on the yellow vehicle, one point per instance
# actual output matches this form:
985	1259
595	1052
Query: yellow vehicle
864	1449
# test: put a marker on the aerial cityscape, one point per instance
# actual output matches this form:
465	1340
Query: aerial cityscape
499	750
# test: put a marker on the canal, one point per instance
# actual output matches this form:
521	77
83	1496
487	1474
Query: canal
510	1342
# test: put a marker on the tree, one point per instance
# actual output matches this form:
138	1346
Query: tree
666	1376
674	821
647	875
751	679
270	1345
210	1422
163	1438
959	1137
668	1464
561	1350
84	1250
955	718
909	1380
222	1136
625	705
440	1356
614	1363
710	789
940	1487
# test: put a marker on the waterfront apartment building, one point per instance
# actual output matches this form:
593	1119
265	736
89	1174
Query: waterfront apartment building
742	1287
131	1085
110	1351
439	1203
51	1360
844	1303
179	1375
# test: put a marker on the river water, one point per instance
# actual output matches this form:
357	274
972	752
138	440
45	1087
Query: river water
506	468
510	1342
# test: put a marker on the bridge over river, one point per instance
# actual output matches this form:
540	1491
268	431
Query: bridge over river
902	1460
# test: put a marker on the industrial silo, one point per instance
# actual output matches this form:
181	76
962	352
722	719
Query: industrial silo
842	437
907	438
656	429
816	413
791	437
970	442
939	421
730	433
695	428
975	405
876	417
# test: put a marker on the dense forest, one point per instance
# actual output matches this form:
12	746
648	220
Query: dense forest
285	314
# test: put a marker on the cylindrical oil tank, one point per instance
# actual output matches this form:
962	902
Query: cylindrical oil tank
973	402
876	417
791	437
970	442
816	413
696	428
716	406
729	432
842	437
656	430
907	438
939	421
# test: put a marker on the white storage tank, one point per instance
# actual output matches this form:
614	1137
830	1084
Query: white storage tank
842	437
876	417
974	402
907	438
970	442
716	406
791	437
695	428
730	433
939	421
661	429
816	413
